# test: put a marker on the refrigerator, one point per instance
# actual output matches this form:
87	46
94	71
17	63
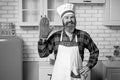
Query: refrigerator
10	58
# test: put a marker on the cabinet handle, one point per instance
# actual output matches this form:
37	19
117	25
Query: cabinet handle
87	1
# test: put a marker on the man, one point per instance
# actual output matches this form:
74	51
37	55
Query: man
68	46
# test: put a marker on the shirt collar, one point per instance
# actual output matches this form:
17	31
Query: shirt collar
74	32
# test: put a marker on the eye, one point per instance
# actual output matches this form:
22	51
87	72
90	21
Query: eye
72	17
66	17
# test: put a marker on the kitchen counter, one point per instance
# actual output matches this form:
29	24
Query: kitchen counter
111	64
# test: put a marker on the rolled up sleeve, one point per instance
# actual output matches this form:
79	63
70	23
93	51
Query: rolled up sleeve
45	48
94	52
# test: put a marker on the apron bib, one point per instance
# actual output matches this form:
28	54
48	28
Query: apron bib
67	61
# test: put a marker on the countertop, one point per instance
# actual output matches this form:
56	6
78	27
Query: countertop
115	64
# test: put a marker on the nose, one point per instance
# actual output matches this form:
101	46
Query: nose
69	19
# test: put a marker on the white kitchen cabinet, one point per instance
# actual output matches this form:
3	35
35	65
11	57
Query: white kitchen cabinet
44	73
112	12
111	70
87	1
30	11
45	68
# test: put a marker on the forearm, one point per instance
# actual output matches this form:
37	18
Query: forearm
43	49
93	59
94	52
91	63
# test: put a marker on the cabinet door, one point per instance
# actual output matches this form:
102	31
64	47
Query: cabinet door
112	12
87	1
30	11
113	74
50	10
43	73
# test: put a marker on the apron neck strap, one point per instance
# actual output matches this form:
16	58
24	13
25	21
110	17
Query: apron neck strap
61	37
76	39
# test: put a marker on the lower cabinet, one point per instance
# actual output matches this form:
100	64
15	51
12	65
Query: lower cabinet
45	71
113	74
111	70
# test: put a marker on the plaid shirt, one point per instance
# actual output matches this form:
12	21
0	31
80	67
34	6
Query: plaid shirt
84	41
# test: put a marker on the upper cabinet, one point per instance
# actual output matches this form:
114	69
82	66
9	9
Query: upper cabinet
112	12
50	11
31	11
87	1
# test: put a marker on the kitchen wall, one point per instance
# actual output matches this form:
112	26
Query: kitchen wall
90	17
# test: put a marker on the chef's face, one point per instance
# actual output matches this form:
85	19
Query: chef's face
69	22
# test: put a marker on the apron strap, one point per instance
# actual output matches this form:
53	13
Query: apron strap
76	39
61	37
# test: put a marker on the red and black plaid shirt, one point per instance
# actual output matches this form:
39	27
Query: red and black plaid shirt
84	41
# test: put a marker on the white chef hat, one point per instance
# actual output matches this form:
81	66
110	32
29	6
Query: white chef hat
65	8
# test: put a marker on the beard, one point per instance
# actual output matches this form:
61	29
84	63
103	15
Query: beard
69	26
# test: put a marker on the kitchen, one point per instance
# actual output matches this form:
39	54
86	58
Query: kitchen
100	18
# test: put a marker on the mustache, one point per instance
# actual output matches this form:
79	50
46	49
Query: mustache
70	22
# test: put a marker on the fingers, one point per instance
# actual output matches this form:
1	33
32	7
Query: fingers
84	70
84	76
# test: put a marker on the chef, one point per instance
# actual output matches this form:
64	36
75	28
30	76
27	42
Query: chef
68	46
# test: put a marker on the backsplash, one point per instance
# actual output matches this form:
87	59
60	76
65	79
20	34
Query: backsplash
90	17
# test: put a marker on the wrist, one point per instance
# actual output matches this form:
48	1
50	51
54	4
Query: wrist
87	68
